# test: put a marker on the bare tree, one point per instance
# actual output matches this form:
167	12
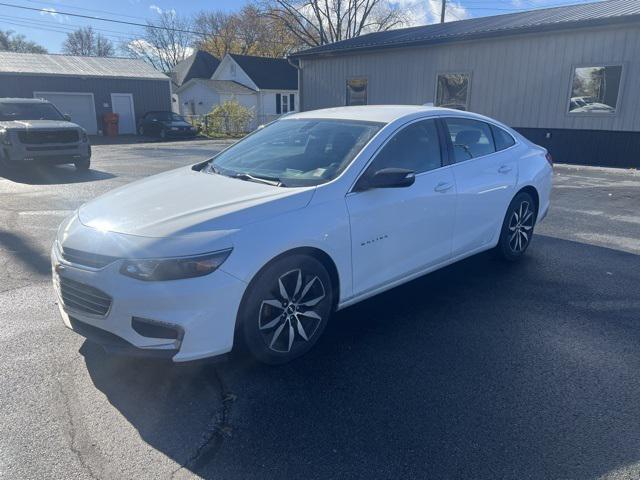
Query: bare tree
86	42
317	22
11	42
165	42
247	32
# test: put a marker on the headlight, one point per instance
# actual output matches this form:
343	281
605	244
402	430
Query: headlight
157	269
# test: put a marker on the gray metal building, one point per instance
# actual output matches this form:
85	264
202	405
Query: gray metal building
566	77
87	87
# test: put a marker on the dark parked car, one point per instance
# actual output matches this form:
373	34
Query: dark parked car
165	125
34	130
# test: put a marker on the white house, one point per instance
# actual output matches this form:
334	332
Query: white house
268	86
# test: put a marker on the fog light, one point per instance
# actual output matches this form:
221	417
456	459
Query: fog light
156	329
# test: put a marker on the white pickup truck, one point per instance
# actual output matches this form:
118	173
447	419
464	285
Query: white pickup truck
33	130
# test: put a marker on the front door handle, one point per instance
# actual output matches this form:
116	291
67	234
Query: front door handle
443	187
505	169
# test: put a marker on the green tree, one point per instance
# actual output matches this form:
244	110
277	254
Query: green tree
11	42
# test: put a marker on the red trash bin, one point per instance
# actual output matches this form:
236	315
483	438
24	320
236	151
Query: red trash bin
110	124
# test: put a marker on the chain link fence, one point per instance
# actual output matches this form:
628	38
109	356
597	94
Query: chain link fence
228	124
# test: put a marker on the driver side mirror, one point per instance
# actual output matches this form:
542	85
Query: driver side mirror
387	178
67	117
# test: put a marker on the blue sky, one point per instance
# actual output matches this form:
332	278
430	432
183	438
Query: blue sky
48	27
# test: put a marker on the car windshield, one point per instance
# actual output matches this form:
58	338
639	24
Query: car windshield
28	111
167	116
295	152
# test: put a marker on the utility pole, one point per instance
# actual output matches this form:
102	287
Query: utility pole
444	9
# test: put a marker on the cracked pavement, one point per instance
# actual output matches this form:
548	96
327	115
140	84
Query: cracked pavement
481	370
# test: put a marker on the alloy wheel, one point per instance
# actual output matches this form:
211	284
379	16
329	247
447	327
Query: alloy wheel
293	315
520	227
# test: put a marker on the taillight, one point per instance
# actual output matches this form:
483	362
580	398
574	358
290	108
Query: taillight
549	158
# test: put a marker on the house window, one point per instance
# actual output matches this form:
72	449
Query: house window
452	90
595	90
285	103
356	91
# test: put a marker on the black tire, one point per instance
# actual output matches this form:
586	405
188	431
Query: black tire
83	165
266	328
516	234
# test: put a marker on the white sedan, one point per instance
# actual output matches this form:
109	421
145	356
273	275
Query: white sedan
308	215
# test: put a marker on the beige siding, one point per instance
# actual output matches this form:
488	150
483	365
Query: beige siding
523	81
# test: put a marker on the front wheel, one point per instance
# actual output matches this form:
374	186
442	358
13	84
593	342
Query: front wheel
517	227
286	309
83	164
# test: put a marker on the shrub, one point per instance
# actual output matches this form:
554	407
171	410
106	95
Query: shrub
228	118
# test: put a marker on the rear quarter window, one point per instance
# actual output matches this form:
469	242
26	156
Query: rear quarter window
502	138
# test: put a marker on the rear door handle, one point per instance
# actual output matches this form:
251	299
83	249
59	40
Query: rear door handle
443	187
505	169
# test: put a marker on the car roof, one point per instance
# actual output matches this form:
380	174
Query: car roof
23	100
377	113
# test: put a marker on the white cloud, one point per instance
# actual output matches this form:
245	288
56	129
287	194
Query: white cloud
49	11
52	12
156	9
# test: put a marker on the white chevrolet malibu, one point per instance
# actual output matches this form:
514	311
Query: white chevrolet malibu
310	214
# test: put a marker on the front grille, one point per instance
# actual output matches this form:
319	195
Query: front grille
83	298
86	259
48	136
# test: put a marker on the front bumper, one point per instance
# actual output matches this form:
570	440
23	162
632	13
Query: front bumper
52	154
181	133
203	310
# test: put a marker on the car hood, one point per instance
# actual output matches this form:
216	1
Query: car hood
187	202
38	125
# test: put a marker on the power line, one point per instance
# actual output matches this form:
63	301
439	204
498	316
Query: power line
56	4
135	24
91	17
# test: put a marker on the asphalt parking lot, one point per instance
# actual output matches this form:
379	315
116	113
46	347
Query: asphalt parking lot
479	371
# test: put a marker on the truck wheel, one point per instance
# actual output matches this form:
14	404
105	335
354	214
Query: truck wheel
83	164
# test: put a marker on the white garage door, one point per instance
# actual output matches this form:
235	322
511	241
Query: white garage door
80	106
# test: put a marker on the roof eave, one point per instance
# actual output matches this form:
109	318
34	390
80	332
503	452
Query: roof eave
599	22
80	75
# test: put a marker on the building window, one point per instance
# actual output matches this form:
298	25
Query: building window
285	103
452	90
595	89
356	91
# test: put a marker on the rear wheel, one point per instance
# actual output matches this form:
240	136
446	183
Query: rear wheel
286	309
517	227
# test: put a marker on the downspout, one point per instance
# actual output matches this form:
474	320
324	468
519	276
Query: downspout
295	63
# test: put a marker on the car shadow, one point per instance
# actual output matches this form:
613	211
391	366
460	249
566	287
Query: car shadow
52	175
28	255
480	370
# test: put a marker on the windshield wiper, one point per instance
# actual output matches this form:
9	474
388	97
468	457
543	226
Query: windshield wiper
259	178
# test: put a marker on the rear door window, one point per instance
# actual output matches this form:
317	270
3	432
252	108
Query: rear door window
470	138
